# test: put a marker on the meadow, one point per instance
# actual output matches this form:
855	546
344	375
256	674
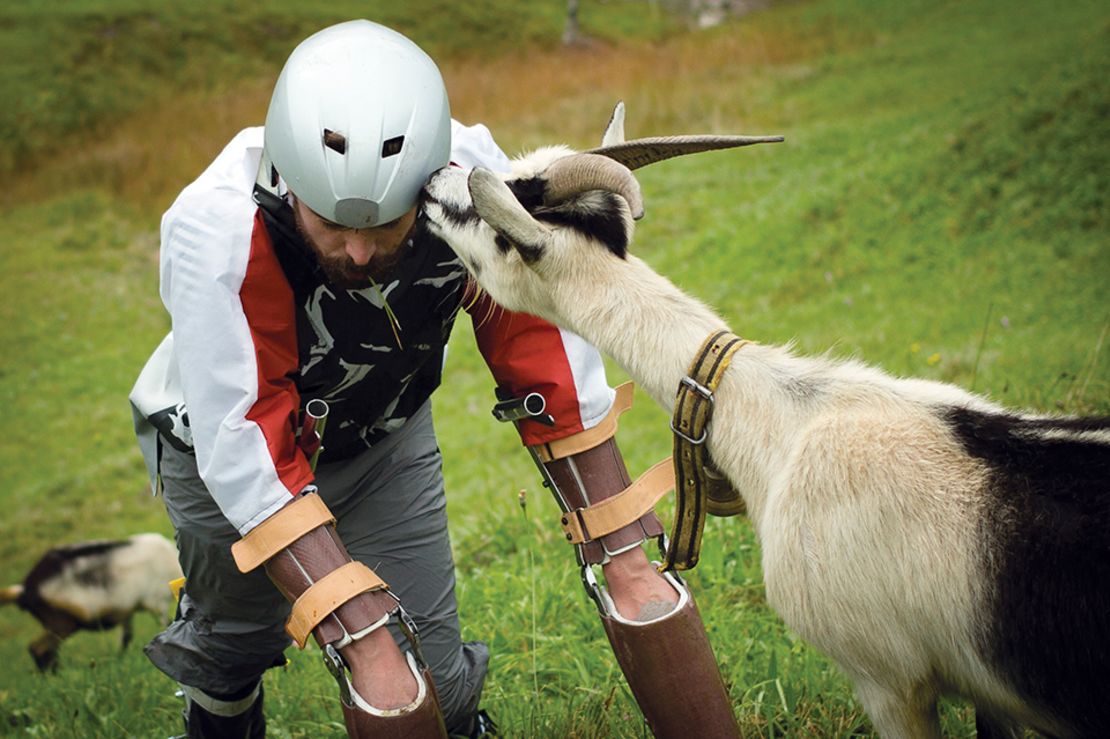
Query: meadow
939	209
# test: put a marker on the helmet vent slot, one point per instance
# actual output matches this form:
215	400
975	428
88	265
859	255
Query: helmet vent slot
392	146
335	141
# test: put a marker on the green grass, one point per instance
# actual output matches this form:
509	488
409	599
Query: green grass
939	209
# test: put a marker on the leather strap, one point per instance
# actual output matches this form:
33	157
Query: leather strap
593	522
588	439
277	532
693	410
326	595
588	478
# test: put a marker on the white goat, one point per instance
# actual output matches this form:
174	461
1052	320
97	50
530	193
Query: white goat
95	585
929	541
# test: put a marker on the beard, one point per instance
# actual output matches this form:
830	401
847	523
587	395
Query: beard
342	272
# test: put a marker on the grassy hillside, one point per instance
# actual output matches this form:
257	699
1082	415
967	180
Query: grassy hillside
87	65
939	209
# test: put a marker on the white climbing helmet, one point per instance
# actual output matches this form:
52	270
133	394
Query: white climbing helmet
358	121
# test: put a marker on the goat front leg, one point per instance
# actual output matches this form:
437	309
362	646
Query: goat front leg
909	714
44	651
57	625
128	631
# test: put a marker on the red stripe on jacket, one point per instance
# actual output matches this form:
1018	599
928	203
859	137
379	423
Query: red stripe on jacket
525	355
268	304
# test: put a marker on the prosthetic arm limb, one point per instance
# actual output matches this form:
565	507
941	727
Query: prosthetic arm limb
343	604
651	619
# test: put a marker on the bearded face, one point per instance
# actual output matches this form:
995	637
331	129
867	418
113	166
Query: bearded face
352	258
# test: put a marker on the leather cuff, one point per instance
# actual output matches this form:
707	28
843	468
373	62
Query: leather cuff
310	559
591	476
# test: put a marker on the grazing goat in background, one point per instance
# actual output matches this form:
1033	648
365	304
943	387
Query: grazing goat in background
929	541
95	585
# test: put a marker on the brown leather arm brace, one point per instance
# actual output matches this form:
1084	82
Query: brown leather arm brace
300	549
307	561
589	477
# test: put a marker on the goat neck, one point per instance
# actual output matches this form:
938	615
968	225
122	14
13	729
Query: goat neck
654	330
643	322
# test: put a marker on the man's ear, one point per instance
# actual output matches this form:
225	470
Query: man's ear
497	206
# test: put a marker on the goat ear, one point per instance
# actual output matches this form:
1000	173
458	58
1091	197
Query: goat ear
614	130
497	206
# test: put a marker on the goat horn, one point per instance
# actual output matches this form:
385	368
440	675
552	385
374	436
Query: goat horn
582	172
497	206
642	152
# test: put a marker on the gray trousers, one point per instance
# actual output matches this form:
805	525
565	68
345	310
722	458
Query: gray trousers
390	511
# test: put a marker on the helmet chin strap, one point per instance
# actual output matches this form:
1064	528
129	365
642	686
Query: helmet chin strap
267	200
267	186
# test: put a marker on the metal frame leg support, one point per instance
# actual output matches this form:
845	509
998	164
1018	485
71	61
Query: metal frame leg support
667	661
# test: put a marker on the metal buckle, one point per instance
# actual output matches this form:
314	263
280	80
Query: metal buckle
695	442
706	393
697	387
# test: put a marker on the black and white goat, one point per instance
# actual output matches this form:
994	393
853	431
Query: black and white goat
93	586
929	541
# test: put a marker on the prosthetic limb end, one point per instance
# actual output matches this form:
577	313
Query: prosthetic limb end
339	602
604	515
671	670
421	718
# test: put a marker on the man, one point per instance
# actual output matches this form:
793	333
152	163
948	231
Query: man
295	270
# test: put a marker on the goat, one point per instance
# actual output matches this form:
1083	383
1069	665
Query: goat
928	540
94	585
